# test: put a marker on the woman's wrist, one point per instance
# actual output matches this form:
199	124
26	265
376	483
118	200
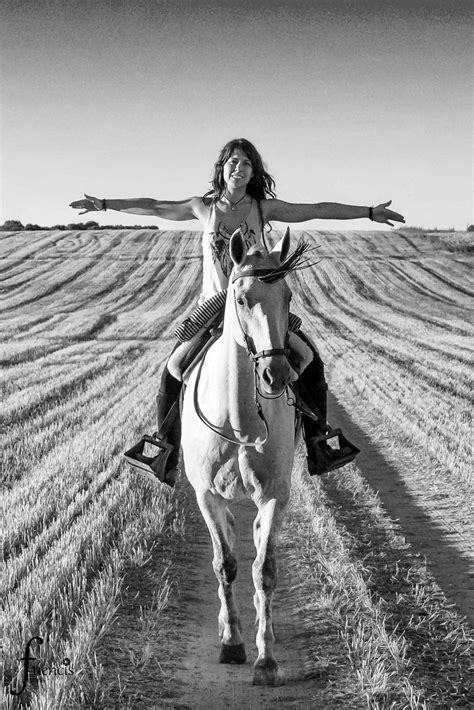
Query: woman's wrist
371	213
118	205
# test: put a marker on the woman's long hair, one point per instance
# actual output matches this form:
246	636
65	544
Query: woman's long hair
261	185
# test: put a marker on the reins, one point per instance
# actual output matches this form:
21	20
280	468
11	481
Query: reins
211	426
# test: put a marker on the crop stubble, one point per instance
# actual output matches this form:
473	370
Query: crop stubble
87	321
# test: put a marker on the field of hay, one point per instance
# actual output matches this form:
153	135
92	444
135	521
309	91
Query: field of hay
87	321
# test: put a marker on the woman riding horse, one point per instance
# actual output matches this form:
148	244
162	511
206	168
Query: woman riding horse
242	197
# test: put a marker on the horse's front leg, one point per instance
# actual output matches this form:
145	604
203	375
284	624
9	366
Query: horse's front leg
220	522
266	528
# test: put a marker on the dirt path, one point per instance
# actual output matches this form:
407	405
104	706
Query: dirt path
151	659
211	685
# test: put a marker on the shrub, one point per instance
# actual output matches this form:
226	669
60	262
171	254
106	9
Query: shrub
76	225
12	225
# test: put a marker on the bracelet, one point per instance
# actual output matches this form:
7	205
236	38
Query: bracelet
104	205
371	213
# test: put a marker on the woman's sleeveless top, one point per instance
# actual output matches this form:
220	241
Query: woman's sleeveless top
217	263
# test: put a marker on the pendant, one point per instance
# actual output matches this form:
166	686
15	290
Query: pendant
233	208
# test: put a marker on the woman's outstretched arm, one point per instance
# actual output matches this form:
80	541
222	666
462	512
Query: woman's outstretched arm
292	212
165	209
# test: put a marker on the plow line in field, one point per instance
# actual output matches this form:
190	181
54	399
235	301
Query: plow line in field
72	465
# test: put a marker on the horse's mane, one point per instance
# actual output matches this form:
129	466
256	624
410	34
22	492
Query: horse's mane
295	261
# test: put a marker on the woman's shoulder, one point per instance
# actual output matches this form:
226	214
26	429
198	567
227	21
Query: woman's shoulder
201	206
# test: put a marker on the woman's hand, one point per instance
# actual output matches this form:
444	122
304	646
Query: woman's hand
90	204
383	215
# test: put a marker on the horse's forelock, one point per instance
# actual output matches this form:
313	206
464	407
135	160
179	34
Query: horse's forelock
254	258
256	252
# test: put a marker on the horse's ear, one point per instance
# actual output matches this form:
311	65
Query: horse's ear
237	248
283	246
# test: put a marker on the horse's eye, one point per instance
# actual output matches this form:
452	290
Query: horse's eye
240	301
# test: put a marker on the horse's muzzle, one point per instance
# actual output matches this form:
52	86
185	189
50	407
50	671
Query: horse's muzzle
274	375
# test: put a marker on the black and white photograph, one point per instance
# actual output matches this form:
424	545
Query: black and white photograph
236	257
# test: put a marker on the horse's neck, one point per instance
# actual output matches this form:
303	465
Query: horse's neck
227	390
228	377
237	368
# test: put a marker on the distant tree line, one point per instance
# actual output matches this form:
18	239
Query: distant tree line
14	225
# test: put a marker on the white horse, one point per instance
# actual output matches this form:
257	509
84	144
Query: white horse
238	437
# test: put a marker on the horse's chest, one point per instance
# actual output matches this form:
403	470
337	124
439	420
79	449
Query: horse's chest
227	480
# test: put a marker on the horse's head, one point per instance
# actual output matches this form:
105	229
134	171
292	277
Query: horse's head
261	309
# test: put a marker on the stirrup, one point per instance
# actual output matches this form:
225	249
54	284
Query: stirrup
153	466
327	458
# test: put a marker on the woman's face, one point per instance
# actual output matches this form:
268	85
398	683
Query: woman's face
237	170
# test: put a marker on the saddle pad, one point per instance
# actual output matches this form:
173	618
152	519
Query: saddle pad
208	311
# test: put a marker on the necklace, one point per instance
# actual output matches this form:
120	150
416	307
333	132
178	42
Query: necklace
233	205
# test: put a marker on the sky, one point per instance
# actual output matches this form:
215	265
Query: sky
352	101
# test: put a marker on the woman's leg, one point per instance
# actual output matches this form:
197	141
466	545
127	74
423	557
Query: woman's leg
312	387
169	420
192	334
168	415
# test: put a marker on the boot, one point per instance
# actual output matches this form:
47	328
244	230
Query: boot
169	432
321	456
162	464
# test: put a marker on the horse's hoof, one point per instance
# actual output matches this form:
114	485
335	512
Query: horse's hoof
232	654
266	672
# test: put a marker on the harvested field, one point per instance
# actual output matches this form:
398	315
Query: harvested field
375	606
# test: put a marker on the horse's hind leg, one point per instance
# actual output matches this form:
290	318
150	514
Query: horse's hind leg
220	522
266	528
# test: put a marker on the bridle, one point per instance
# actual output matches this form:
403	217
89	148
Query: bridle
255	357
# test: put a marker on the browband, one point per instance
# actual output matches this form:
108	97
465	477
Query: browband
251	272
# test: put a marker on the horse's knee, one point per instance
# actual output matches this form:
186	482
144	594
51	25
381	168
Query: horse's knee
256	532
265	573
225	568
